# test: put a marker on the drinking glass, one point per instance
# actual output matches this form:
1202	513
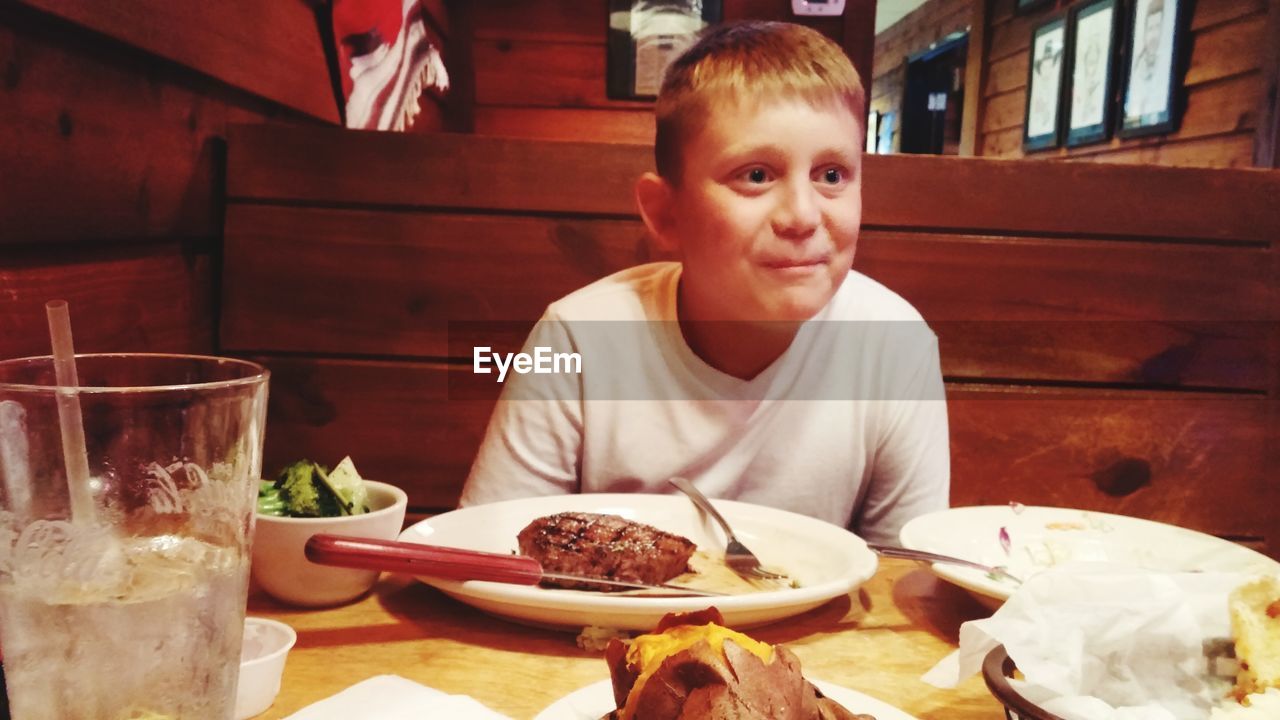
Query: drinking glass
122	595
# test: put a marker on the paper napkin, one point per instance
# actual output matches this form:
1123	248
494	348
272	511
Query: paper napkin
391	697
1102	641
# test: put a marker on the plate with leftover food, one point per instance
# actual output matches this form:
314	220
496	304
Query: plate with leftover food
595	701
653	539
1026	539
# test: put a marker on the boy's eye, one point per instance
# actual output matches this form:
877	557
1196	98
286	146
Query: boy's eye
757	175
832	176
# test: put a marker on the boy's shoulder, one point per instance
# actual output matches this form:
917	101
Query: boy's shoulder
641	292
862	298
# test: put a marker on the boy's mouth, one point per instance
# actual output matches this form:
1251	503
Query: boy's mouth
797	264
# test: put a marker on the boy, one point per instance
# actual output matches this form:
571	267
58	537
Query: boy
761	367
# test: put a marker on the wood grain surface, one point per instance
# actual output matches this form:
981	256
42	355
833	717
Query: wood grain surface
878	640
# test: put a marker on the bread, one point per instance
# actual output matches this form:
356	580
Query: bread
693	668
1255	623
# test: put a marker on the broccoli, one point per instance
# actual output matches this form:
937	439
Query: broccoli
307	489
305	493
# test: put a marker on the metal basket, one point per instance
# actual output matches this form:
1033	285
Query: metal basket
997	668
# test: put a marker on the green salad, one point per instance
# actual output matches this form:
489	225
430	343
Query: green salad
309	489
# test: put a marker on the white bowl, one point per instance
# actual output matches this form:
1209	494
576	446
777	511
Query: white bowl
281	568
266	645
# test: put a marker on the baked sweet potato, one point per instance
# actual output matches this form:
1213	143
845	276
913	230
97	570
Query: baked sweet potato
692	668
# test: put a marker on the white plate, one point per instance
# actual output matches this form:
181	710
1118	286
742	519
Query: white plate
1044	536
827	561
593	701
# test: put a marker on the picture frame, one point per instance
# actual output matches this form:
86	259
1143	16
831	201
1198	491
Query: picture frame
645	36
1042	120
1026	7
1151	101
1092	34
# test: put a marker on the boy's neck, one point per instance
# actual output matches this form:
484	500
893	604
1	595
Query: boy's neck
740	348
737	348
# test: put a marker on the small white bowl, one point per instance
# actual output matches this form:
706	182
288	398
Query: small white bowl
266	645
281	568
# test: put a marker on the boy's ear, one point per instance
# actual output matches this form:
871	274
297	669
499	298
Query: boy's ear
655	197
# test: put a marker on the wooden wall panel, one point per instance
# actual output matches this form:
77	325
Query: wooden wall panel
1133	326
1128	452
514	174
101	145
271	49
153	298
1223	92
540	67
415	272
612	126
1192	460
112	155
1095	356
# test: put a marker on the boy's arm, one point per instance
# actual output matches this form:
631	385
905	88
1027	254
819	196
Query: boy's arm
911	475
533	443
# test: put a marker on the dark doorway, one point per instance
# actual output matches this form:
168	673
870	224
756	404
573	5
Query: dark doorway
933	98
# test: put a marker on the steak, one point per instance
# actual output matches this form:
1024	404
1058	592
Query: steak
604	546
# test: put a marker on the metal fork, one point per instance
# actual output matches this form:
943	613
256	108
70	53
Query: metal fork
997	572
736	555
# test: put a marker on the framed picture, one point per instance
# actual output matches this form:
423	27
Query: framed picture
1092	37
1152	86
645	36
1024	7
1042	127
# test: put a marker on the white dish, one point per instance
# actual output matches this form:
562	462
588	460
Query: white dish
1043	536
262	657
827	561
593	701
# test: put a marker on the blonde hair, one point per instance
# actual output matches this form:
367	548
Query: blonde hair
751	59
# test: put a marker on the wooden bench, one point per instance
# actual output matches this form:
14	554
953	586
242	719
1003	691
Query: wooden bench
1109	333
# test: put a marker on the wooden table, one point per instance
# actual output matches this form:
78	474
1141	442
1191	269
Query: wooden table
878	640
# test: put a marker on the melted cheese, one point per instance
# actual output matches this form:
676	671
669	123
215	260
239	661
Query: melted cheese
649	651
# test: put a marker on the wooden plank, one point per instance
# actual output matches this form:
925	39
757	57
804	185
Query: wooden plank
271	49
977	78
1221	151
1011	37
1199	454
1227	50
415	272
1073	198
132	144
551	20
1051	310
513	174
126	299
1209	13
1008	74
424	170
1191	460
1085	311
567	124
1005	111
544	74
1005	143
858	38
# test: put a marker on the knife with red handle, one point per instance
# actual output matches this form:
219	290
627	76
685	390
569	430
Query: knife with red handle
449	563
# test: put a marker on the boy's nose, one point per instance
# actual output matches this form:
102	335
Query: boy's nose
797	214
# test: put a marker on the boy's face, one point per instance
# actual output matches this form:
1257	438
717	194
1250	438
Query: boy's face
766	214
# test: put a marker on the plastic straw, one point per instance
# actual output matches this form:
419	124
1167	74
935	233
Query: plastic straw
74	454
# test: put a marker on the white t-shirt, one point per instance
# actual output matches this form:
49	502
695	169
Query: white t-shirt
849	425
